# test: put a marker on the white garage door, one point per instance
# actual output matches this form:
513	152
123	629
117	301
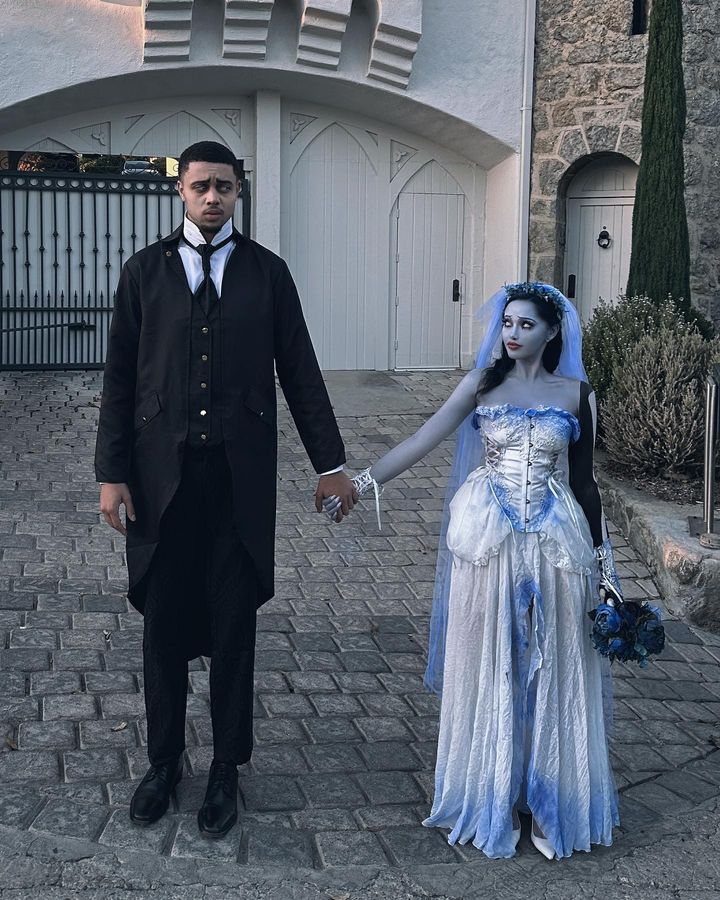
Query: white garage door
330	245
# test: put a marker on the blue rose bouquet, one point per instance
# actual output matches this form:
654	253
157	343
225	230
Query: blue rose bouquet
630	631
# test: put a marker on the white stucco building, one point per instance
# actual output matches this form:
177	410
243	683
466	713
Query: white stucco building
385	144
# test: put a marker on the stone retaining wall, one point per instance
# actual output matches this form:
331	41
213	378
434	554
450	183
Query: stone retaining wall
687	574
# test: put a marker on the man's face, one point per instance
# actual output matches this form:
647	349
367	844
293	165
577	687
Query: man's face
209	191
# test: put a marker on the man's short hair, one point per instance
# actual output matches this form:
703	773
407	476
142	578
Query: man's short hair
208	151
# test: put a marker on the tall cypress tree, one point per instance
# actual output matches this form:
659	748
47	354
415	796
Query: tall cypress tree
660	261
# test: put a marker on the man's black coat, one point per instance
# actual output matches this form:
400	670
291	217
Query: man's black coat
144	411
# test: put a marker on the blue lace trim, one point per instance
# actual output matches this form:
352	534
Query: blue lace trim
494	412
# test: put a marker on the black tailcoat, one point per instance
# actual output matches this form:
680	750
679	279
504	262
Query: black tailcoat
143	421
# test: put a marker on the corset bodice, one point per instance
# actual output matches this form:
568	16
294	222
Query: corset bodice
526	458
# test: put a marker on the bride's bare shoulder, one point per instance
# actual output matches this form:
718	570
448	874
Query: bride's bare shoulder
563	379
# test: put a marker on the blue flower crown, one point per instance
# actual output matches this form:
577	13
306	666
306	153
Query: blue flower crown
540	290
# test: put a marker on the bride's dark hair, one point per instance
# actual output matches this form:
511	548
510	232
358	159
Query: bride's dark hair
497	373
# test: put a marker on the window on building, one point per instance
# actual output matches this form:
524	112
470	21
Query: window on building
639	19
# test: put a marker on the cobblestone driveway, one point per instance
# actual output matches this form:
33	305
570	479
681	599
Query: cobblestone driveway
345	734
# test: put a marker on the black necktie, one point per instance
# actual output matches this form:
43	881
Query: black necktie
207	292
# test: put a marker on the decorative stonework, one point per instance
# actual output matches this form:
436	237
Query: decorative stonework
589	75
131	122
298	122
395	42
97	136
322	28
399	155
231	117
245	29
167	30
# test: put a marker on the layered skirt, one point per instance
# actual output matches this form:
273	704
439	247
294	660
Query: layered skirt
525	695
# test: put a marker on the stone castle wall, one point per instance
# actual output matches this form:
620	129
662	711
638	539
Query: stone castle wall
589	74
702	150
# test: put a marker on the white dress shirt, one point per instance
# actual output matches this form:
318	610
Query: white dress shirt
192	263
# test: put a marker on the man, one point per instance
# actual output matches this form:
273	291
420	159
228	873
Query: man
187	442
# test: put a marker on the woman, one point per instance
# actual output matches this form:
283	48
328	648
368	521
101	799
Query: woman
522	723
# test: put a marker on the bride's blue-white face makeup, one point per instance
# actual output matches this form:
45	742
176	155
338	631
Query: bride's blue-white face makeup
524	333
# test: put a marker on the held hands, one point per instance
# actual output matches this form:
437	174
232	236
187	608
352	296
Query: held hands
338	490
362	482
111	496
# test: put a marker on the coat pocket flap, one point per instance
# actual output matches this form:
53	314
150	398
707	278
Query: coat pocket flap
147	410
256	403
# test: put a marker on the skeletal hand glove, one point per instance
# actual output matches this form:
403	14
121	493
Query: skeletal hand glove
610	588
363	482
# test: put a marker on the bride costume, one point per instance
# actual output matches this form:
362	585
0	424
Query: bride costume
525	697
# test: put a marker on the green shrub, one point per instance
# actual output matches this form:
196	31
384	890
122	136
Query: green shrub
614	331
653	414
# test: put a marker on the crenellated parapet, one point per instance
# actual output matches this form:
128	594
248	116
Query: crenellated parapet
168	24
245	28
395	42
322	28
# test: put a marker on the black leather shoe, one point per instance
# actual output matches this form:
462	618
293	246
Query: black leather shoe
152	797
218	813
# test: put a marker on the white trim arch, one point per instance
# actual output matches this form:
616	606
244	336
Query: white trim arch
121	127
315	129
400	161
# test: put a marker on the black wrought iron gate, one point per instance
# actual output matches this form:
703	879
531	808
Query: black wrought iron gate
63	241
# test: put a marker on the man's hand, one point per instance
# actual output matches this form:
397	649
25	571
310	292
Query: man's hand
111	496
341	486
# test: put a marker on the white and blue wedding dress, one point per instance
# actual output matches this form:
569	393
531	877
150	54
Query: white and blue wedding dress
523	717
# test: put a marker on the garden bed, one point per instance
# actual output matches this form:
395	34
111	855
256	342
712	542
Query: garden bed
681	490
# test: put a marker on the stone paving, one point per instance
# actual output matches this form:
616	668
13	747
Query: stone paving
341	775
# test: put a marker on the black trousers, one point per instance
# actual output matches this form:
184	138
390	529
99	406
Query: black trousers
202	600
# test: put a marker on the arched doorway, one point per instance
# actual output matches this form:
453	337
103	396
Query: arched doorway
599	206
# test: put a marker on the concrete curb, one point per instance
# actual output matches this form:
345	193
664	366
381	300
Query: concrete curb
687	574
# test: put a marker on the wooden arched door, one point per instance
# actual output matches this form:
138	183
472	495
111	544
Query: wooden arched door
600	201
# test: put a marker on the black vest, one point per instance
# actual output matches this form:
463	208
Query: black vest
205	384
